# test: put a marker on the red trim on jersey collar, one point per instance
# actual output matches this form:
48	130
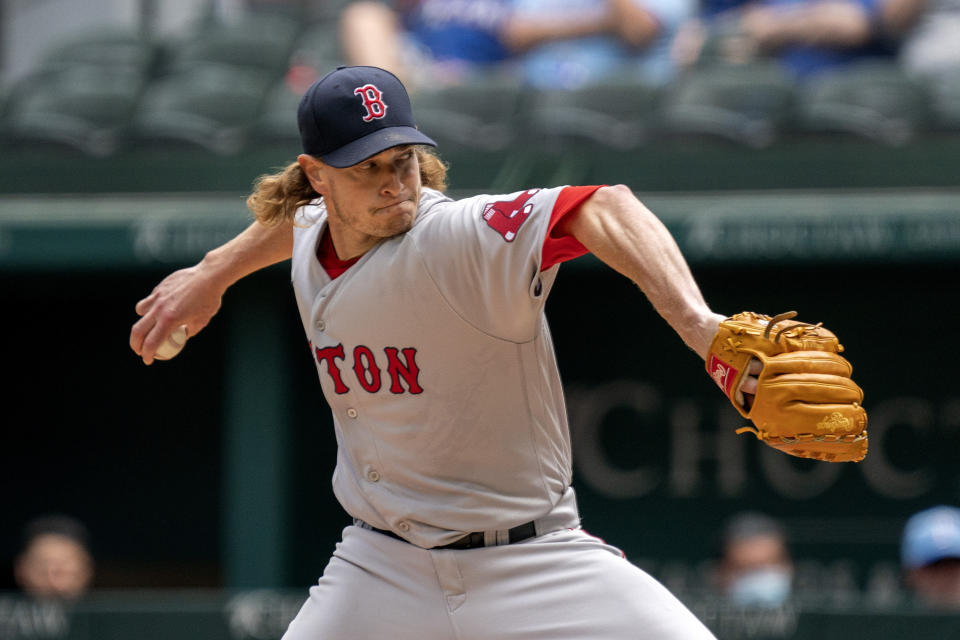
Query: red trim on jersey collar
559	247
327	256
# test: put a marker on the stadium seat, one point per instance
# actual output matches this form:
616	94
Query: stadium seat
80	107
873	100
4	100
211	106
944	91
486	113
260	41
277	121
316	52
318	48
328	10
613	115
108	48
746	104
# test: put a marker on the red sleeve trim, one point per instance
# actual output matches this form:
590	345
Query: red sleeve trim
559	247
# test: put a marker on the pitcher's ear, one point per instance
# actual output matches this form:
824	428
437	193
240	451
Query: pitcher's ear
313	169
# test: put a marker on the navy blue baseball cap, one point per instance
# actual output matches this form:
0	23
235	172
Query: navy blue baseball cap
353	113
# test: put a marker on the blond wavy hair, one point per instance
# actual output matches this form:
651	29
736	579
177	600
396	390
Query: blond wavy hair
277	196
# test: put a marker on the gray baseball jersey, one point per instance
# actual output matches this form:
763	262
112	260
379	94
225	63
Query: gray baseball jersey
434	354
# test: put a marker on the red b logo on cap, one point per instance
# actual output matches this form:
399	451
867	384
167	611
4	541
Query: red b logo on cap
372	101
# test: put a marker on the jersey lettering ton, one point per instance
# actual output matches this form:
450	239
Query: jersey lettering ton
435	357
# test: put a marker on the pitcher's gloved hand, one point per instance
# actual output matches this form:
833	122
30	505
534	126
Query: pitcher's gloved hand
805	402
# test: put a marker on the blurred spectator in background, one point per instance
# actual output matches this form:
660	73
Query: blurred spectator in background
567	44
425	42
755	569
557	44
806	36
930	555
930	32
55	560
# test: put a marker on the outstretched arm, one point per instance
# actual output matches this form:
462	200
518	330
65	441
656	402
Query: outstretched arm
522	33
619	230
192	296
806	405
828	23
370	33
625	19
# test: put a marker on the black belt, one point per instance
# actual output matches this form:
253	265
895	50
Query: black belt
476	539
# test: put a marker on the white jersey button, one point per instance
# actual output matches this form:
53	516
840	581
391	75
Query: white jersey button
403	526
373	475
351	412
320	324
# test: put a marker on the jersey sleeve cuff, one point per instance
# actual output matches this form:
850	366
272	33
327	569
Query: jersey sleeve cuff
559	247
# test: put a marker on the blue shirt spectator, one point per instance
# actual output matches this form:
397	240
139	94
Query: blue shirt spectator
806	36
425	42
805	60
568	63
712	8
463	30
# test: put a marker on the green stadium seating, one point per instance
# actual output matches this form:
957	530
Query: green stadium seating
211	106
724	42
872	100
318	48
315	53
747	104
614	115
277	121
944	90
79	106
108	48
488	113
225	85
259	41
3	113
328	9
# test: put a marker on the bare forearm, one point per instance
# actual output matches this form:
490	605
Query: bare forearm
370	33
257	247
192	296
624	234
898	16
837	24
520	34
829	24
633	23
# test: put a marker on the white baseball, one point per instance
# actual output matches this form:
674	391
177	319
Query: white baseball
173	344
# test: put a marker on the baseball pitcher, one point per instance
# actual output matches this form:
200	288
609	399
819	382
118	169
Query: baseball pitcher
425	319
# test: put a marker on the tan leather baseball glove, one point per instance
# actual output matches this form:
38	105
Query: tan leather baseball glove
805	404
